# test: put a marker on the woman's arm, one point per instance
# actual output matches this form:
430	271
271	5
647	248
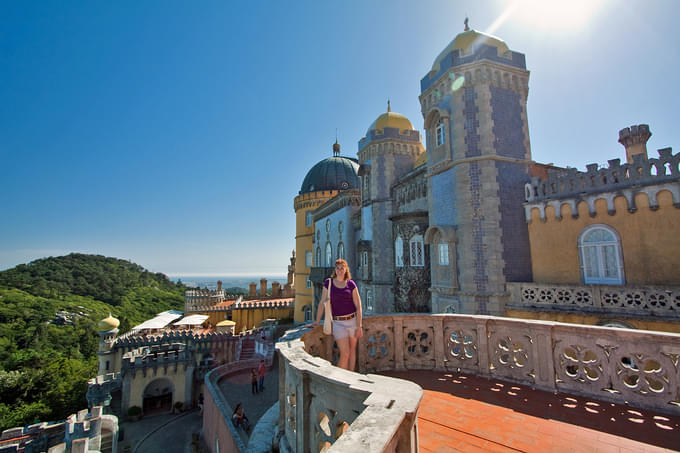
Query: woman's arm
322	306
357	304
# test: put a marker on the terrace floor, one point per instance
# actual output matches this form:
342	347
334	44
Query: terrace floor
465	413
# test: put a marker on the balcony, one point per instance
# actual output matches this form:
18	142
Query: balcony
486	384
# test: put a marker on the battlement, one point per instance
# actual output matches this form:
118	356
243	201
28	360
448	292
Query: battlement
183	336
570	182
275	303
85	425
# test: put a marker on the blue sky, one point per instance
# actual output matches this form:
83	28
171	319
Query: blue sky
176	134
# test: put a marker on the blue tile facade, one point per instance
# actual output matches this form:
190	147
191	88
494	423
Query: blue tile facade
514	230
477	232
470	111
506	113
444	210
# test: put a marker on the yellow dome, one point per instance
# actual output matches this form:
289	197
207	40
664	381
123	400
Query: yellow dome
109	323
390	119
467	39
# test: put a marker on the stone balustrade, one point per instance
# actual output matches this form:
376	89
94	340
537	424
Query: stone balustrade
648	301
322	406
325	408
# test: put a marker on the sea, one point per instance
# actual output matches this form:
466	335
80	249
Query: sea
229	281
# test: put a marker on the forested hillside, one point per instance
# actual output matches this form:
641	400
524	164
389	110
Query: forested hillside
49	310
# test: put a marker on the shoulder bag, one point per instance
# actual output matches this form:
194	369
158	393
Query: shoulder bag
328	316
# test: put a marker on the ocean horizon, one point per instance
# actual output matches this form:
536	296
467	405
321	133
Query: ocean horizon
228	281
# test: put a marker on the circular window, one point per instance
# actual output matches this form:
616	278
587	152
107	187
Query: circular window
344	185
340	226
328	226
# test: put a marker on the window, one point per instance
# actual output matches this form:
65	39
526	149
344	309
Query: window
107	365
308	282
340	227
329	255
364	258
341	251
318	235
601	257
308	218
317	262
441	134
328	225
308	313
399	252
416	247
308	258
443	254
369	301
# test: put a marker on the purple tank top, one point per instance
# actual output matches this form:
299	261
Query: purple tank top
341	298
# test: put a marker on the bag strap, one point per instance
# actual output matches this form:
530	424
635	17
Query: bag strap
330	286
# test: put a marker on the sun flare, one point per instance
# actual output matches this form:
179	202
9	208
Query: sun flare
552	15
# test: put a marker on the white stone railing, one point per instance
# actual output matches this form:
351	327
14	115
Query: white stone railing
318	402
325	408
649	300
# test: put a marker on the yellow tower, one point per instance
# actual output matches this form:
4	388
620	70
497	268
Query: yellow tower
324	181
107	329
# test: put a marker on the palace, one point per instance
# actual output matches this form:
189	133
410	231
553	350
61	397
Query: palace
471	224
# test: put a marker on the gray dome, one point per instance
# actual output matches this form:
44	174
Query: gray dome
334	173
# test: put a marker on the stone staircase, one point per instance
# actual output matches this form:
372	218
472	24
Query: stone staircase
247	349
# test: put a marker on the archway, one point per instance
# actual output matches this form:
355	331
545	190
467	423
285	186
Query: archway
157	397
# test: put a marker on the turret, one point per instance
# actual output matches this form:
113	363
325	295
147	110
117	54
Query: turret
634	139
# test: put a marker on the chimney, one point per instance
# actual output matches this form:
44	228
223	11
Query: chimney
263	288
276	289
634	139
253	289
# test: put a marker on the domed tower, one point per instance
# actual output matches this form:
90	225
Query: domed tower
388	151
474	102
324	181
107	329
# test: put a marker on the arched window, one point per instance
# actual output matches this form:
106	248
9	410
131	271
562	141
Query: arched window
601	257
329	255
441	134
443	254
417	251
341	251
369	301
399	252
317	262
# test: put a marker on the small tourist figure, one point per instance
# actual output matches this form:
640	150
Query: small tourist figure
239	418
260	373
253	381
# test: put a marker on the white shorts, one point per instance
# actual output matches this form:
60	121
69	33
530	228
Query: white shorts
344	329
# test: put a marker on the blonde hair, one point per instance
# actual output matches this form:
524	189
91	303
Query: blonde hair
347	273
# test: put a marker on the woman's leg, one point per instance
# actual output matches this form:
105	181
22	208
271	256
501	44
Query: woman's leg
343	346
352	340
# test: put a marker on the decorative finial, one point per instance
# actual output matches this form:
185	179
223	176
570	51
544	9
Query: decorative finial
336	147
388	106
466	24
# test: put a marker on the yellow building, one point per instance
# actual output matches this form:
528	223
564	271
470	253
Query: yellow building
325	180
605	243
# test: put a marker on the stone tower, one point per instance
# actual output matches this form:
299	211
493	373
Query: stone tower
387	152
473	101
324	180
107	329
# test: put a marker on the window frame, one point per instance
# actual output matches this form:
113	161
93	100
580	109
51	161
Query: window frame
440	134
443	252
309	219
600	250
399	252
416	259
309	258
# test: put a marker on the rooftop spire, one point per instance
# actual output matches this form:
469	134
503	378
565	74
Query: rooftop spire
336	146
467	28
388	106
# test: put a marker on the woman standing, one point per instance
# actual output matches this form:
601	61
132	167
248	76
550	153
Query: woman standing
346	310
